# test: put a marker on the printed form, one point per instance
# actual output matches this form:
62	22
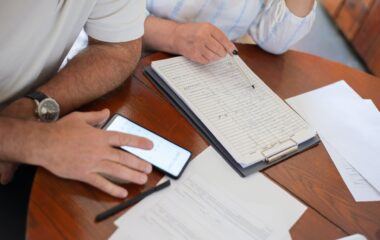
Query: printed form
211	202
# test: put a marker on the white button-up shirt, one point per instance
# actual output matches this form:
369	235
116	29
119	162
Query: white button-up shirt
269	22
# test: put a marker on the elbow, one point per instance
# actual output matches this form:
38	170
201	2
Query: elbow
274	45
121	59
133	53
278	51
130	57
274	49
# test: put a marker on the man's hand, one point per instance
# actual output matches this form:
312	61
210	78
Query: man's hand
201	42
73	148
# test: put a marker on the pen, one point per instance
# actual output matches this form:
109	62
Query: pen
108	213
235	53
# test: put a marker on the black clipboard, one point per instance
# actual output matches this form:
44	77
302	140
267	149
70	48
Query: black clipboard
205	132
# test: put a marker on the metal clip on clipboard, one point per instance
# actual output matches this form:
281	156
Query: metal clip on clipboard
279	151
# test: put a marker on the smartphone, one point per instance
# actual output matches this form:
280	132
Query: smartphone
165	155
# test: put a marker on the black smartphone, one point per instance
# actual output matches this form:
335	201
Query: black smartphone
165	155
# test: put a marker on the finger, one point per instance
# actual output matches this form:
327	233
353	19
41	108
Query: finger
197	57
121	172
130	161
106	186
223	40
209	55
96	118
119	139
216	47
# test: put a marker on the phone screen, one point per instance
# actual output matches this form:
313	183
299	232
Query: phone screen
166	156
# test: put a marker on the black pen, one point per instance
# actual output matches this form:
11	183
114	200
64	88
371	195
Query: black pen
108	213
236	53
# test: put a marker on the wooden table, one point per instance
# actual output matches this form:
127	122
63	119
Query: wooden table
61	208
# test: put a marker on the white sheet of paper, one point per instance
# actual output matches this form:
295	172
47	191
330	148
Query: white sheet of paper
350	125
371	104
210	201
356	236
338	89
123	235
196	210
360	189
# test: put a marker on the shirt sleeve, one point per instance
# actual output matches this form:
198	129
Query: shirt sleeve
276	28
116	20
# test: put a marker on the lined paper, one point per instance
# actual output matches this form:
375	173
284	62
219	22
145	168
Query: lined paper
234	104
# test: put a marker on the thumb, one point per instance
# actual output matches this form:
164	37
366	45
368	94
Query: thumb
97	118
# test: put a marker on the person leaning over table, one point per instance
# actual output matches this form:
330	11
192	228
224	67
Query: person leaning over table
35	37
202	30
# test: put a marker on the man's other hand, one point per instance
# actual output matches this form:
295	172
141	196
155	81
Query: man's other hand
74	148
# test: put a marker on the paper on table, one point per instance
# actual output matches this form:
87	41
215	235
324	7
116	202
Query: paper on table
351	129
360	189
196	210
347	123
338	89
122	234
210	202
356	236
370	104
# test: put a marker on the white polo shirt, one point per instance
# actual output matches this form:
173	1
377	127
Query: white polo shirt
35	35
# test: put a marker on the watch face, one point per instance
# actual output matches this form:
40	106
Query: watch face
48	110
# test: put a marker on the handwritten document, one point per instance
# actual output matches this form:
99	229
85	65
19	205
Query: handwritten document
234	104
211	202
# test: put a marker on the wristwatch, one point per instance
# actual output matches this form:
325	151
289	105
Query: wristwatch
47	109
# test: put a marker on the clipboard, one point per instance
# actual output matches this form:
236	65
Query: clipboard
213	141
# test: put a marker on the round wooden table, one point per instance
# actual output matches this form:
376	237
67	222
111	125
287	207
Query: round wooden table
63	209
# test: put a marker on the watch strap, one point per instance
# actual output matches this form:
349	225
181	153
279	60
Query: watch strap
39	96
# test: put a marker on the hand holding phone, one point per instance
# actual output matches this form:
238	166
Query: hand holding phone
165	155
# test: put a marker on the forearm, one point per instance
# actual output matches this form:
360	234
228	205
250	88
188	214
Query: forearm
92	73
95	71
17	139
159	34
300	8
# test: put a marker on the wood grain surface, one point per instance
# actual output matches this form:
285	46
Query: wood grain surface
63	209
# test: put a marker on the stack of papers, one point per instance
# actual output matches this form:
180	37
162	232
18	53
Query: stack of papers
211	202
349	127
